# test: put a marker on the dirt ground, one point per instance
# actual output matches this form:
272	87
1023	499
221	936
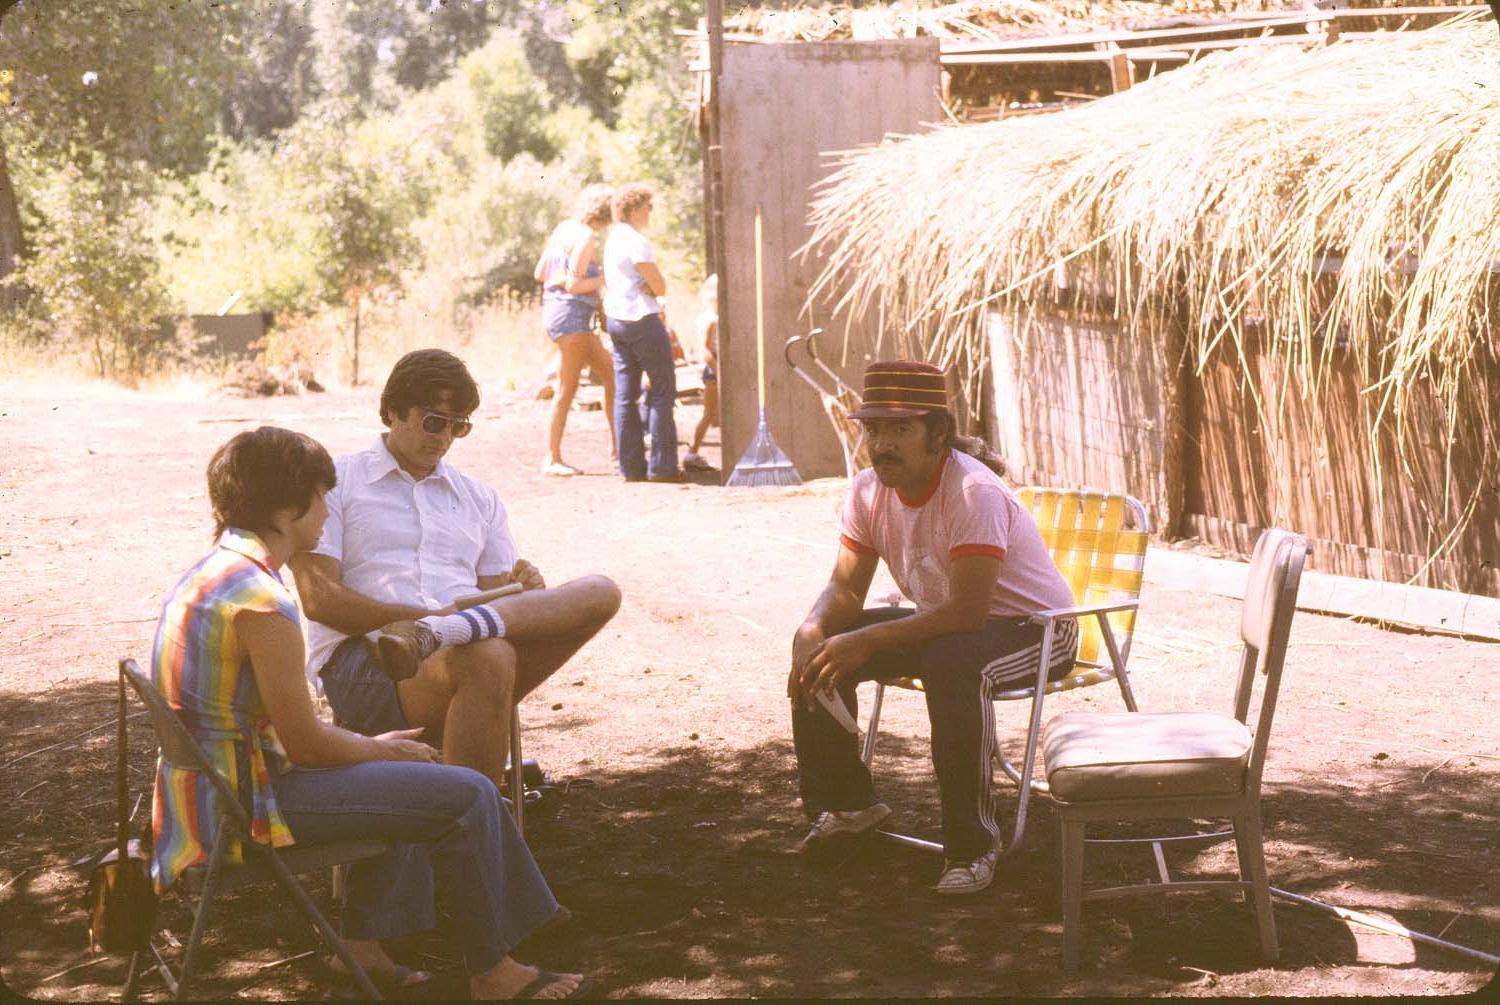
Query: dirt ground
671	830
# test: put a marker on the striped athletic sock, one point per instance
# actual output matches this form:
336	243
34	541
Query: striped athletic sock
478	622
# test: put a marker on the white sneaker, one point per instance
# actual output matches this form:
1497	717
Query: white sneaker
836	824
968	877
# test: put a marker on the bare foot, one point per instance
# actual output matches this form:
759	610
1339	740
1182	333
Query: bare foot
381	969
509	980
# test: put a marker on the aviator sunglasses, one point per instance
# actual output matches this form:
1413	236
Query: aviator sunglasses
436	424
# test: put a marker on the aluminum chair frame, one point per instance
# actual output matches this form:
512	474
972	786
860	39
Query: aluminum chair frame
262	862
1078	511
1270	601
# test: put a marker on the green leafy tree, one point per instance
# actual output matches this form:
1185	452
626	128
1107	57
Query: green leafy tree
360	238
512	104
133	83
91	274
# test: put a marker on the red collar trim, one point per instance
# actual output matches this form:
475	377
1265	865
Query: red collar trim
928	491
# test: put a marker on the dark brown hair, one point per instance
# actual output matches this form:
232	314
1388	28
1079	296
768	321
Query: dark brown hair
262	471
421	378
942	432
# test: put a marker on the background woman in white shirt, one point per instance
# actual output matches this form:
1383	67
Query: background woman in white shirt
633	314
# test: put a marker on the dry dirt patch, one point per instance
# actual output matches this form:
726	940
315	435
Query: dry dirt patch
670	735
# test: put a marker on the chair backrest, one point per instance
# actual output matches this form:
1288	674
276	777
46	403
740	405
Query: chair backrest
1265	625
1098	541
178	748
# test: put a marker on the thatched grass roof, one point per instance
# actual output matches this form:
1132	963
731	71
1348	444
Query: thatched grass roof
983	20
1220	195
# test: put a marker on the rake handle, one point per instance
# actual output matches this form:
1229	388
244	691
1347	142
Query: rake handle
760	316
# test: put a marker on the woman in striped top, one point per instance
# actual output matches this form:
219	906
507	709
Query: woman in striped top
228	657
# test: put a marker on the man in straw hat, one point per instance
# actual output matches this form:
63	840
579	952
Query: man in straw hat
968	555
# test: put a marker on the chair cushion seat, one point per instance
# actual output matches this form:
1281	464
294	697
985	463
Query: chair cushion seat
1102	756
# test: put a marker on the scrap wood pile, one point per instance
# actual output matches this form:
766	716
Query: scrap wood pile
1340	199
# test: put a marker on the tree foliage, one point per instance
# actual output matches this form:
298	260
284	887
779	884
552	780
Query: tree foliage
309	156
93	277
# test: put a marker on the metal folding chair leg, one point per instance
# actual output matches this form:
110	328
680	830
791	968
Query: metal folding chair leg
517	770
330	938
1252	857
1072	892
205	904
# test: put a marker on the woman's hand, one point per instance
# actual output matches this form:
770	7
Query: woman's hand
403	745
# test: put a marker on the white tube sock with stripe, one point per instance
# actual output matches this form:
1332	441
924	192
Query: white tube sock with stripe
478	622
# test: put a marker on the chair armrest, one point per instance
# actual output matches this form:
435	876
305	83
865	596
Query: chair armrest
1059	613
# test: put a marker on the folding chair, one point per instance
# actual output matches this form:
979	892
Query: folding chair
1098	542
262	862
1157	765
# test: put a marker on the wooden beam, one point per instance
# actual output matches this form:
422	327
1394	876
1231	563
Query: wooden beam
1415	606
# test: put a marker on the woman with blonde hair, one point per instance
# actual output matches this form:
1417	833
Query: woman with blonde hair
569	272
633	286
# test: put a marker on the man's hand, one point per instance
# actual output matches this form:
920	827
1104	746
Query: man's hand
835	660
403	745
807	641
528	575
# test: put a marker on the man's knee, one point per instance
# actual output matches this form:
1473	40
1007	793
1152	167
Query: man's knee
597	597
484	671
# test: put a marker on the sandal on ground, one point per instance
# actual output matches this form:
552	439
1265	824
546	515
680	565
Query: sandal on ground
560	469
545	979
401	978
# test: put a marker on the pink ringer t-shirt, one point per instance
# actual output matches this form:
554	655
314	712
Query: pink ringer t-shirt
969	511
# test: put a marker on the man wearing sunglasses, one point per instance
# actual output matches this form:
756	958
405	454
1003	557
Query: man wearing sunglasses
407	534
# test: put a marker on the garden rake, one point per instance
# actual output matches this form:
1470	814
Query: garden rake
763	463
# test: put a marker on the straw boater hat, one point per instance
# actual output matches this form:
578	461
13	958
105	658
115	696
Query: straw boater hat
902	389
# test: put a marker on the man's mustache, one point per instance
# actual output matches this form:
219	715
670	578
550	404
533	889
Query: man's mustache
883	458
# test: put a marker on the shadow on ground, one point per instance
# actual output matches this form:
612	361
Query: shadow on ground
683	882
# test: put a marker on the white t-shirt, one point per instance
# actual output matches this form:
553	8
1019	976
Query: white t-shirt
403	541
967	511
626	297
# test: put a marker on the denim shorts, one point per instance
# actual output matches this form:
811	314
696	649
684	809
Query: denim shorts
567	316
364	699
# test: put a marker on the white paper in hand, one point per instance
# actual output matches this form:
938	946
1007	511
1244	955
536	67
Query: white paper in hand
834	703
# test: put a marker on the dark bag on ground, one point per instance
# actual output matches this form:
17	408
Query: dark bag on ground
122	902
121	899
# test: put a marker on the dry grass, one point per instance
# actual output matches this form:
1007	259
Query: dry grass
1218	196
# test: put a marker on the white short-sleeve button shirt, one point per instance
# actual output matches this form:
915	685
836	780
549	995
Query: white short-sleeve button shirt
403	541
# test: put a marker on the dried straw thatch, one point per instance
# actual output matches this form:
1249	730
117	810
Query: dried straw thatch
1219	196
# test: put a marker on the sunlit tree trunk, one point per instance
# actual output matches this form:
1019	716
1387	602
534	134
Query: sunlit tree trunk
10	236
354	299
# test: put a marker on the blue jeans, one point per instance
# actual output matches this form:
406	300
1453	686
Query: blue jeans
448	822
958	673
644	347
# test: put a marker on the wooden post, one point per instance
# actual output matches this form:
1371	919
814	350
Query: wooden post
714	173
1121	72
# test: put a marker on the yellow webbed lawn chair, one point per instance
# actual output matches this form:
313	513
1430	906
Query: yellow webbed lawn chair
1098	541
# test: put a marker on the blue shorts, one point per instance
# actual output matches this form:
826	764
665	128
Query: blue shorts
364	699
567	316
708	373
